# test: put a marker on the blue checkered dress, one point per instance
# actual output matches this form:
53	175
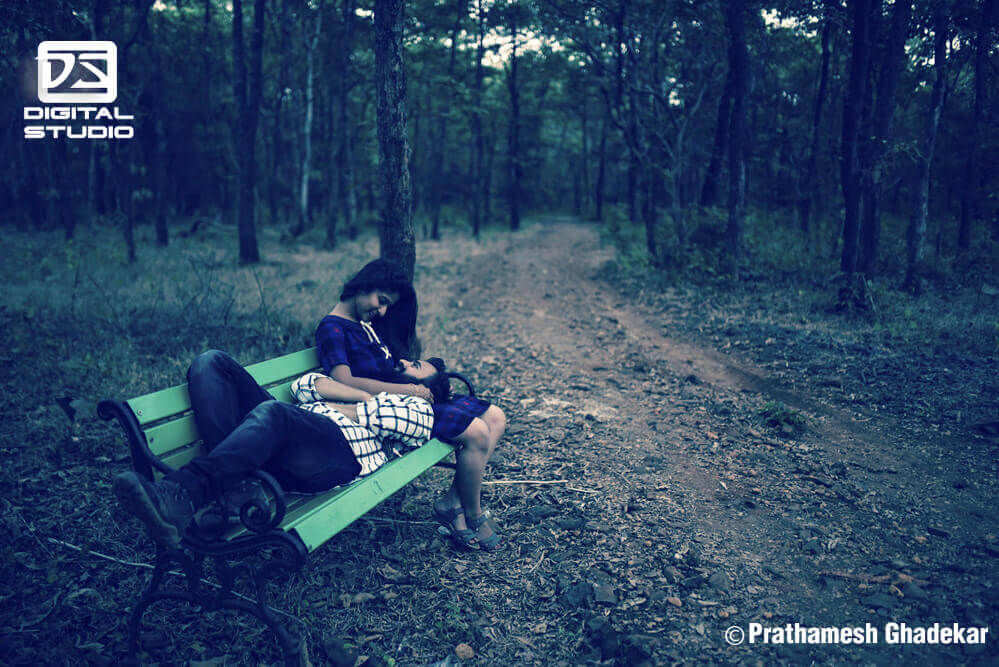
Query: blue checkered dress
341	341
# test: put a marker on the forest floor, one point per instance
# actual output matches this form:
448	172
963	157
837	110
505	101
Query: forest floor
677	462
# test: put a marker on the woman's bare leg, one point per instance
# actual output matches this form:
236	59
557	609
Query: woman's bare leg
496	421
466	487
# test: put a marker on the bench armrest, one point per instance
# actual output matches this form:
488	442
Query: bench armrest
257	514
143	459
258	503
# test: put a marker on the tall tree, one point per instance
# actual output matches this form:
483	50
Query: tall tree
277	184
916	236
440	154
514	168
808	188
860	18
247	92
601	170
398	242
738	58
877	130
306	172
345	187
970	192
480	190
709	189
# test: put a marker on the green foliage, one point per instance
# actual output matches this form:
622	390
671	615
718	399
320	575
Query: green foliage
776	415
632	256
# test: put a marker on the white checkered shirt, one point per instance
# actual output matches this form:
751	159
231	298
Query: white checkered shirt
406	420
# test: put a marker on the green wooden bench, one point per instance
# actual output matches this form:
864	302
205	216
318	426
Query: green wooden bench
271	533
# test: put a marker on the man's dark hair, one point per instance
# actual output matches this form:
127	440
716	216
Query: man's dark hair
397	328
439	383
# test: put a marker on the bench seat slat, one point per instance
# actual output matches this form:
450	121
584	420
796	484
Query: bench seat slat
318	518
317	521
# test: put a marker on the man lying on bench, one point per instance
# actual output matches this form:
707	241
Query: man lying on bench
307	448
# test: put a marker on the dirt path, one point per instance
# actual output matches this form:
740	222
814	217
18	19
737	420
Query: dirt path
680	514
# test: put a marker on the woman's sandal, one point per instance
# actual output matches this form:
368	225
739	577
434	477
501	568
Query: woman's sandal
464	537
494	542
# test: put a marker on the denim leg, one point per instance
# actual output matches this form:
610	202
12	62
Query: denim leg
304	451
222	394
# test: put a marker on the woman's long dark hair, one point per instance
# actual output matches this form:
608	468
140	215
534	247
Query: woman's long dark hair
397	328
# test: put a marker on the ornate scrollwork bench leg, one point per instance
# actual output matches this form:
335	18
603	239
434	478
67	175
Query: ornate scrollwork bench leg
287	556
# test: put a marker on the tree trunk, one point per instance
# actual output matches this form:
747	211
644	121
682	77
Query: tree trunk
601	171
159	178
808	188
916	236
852	107
709	190
633	175
96	27
892	65
487	177
398	241
303	193
275	185
584	162
128	180
513	140
738	57
971	190
346	189
248	90
478	202
439	142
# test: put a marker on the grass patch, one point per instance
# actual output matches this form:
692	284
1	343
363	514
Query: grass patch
776	415
793	280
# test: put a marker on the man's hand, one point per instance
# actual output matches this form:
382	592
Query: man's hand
422	391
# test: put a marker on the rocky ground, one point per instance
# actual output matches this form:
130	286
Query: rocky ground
732	485
673	467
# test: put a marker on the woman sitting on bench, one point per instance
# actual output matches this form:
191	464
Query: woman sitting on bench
367	342
307	448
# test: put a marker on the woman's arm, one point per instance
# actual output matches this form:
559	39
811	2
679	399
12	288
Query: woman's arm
342	375
332	390
313	387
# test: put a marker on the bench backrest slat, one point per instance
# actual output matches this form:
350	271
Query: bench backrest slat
290	366
165	416
181	431
181	457
164	438
170	402
160	404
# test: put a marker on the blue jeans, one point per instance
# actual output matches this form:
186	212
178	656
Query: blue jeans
244	429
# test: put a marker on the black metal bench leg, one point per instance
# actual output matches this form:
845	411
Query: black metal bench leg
291	645
192	568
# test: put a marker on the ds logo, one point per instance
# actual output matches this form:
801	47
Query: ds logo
77	75
90	84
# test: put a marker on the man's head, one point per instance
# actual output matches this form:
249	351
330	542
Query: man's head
428	372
